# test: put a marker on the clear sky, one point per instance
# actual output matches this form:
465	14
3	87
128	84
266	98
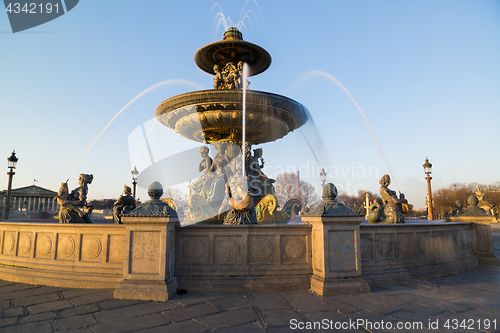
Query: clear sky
426	74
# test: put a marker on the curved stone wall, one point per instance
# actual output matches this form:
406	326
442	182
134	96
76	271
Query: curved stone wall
397	252
68	255
260	258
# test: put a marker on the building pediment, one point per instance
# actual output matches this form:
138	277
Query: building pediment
32	190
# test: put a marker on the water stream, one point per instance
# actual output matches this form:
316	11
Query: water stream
244	117
197	86
311	74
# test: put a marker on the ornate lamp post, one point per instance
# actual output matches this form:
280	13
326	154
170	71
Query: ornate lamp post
323	174
12	165
427	170
134	179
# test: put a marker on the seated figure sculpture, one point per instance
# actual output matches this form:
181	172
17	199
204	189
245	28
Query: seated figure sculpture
123	205
74	206
393	206
242	205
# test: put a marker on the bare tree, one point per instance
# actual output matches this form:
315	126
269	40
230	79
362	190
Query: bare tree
288	186
309	195
174	193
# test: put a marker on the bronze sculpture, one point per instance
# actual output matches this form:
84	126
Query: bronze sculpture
242	209
394	207
74	206
215	117
123	205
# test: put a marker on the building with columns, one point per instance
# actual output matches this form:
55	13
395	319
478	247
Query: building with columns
31	198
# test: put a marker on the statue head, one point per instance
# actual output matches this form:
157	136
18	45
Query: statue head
127	190
204	151
63	191
216	68
257	152
385	180
85	179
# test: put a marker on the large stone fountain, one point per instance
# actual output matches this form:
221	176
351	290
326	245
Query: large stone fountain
215	117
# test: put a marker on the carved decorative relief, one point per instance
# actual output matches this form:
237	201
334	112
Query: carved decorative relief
227	250
261	249
423	243
460	240
65	247
449	242
194	250
91	247
405	245
144	254
24	246
438	242
116	248
43	246
384	246
8	243
366	251
295	249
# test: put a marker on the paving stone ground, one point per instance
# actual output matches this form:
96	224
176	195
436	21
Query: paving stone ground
466	302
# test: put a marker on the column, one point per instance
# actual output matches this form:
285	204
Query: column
29	203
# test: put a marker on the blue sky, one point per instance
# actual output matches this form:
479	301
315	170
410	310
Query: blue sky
425	73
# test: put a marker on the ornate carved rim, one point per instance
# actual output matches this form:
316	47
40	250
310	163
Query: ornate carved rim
224	51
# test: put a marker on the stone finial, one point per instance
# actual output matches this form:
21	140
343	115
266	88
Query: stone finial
330	207
232	33
472	200
154	207
329	192
155	190
459	204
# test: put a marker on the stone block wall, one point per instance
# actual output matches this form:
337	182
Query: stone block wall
68	255
243	258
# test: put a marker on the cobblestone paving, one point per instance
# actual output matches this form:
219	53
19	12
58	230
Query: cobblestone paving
467	302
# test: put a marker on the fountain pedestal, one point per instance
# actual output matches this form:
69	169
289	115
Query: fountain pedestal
149	261
336	250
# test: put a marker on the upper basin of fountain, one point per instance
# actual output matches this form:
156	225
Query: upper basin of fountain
215	115
232	49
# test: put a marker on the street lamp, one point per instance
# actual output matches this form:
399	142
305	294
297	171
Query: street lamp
134	178
323	177
427	170
12	165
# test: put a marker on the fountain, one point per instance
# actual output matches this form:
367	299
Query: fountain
230	117
150	256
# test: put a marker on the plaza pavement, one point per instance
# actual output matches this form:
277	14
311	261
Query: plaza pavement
471	298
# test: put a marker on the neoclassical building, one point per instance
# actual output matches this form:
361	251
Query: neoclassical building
32	198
